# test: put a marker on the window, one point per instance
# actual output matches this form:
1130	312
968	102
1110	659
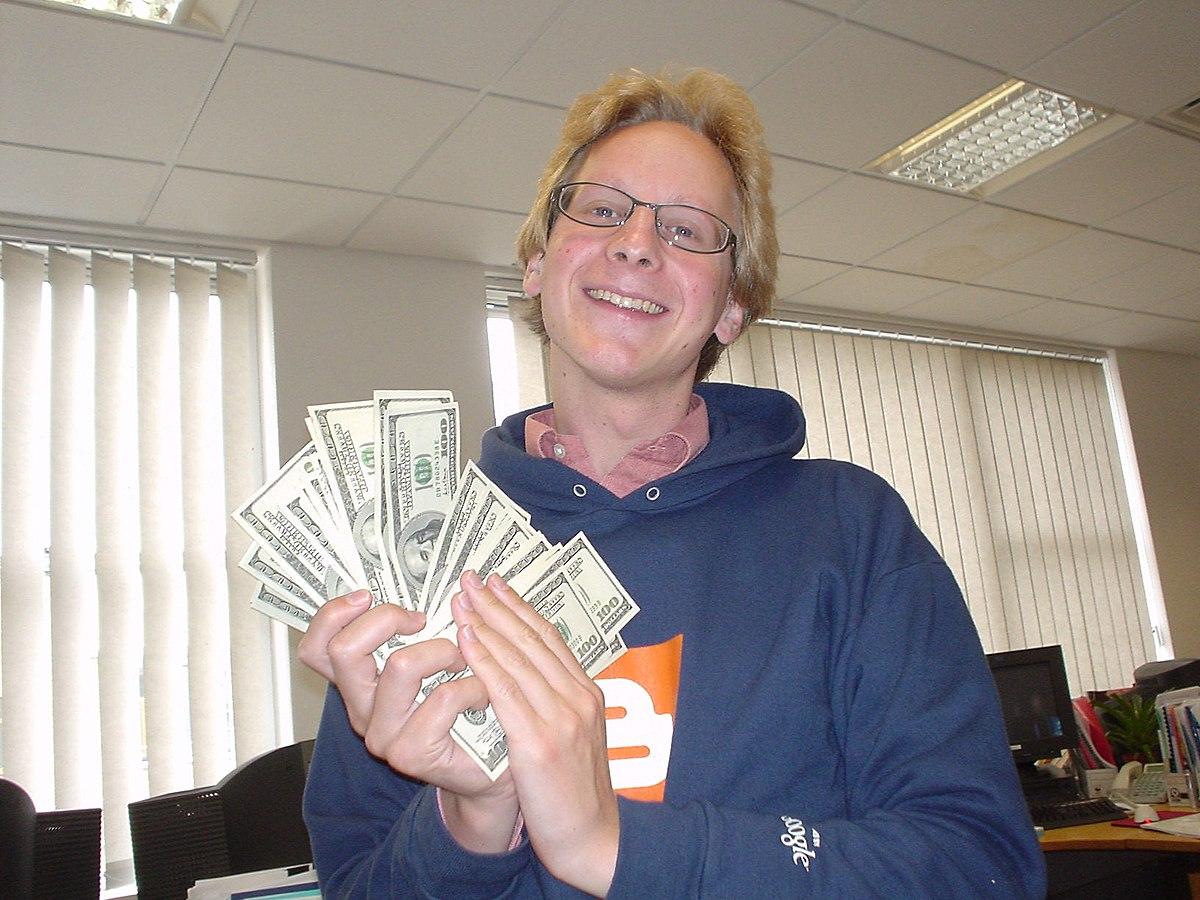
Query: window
1009	459
518	369
130	661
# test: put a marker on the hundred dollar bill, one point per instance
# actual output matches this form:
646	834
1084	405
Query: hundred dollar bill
326	513
303	552
601	595
497	541
419	448
344	434
491	522
282	609
579	595
476	510
259	563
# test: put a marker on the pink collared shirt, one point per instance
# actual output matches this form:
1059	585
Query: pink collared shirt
645	462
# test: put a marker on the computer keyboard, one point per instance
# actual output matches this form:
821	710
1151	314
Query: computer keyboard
1064	813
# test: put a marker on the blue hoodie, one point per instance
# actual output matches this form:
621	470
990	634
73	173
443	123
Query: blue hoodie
830	727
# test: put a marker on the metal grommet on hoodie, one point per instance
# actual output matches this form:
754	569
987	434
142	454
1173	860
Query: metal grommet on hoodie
652	493
579	490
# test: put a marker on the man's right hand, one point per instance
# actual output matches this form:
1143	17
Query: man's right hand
412	737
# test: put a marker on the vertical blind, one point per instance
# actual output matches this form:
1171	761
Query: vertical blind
1008	458
129	392
1010	462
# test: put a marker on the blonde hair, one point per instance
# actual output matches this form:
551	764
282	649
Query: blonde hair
711	105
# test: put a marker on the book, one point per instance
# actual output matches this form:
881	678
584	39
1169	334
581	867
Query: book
1094	747
1174	751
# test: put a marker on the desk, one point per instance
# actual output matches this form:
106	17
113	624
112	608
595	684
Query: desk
1094	843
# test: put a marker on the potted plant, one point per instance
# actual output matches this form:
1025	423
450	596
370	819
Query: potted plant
1131	724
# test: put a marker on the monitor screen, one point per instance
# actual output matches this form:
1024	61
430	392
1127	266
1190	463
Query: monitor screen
1038	716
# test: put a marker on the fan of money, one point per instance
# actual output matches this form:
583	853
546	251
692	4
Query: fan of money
378	499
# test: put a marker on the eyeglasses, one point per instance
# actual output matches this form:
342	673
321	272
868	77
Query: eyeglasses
604	206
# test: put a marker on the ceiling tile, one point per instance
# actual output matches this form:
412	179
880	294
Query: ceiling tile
241	206
1155	44
796	274
1183	306
458	42
1140	331
1054	319
1136	165
1018	32
968	305
795	180
88	96
493	159
581	48
57	185
970	245
857	93
859	217
421	228
1148	286
1078	260
838	7
857	291
1172	218
293	118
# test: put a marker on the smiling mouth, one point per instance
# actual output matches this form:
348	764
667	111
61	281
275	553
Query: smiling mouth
624	302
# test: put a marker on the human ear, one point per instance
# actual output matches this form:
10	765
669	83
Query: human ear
729	326
532	283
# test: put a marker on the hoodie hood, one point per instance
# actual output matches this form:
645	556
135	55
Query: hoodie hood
749	428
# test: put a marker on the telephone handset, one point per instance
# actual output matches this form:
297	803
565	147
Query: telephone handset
1136	783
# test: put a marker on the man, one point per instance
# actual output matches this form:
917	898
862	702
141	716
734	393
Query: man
815	692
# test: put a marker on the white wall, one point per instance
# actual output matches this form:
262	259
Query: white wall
1162	397
347	322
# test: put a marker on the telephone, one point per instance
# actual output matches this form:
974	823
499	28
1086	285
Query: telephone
1136	783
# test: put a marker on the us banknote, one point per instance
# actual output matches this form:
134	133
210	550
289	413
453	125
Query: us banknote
418	441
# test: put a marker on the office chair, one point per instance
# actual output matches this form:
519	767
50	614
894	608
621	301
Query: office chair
248	821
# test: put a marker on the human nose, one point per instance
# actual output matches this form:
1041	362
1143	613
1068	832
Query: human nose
636	239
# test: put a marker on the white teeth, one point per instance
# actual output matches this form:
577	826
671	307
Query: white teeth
626	302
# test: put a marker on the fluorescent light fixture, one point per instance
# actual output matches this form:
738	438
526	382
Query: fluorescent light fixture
1002	129
146	10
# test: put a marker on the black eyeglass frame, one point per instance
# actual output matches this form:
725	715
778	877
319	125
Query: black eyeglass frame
556	206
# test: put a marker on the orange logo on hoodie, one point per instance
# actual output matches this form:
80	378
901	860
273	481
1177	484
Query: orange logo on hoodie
640	691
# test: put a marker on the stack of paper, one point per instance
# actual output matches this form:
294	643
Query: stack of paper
292	883
1184	826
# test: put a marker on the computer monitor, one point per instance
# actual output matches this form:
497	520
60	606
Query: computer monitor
1038	716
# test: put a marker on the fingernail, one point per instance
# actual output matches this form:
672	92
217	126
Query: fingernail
464	601
467	633
473	579
359	598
